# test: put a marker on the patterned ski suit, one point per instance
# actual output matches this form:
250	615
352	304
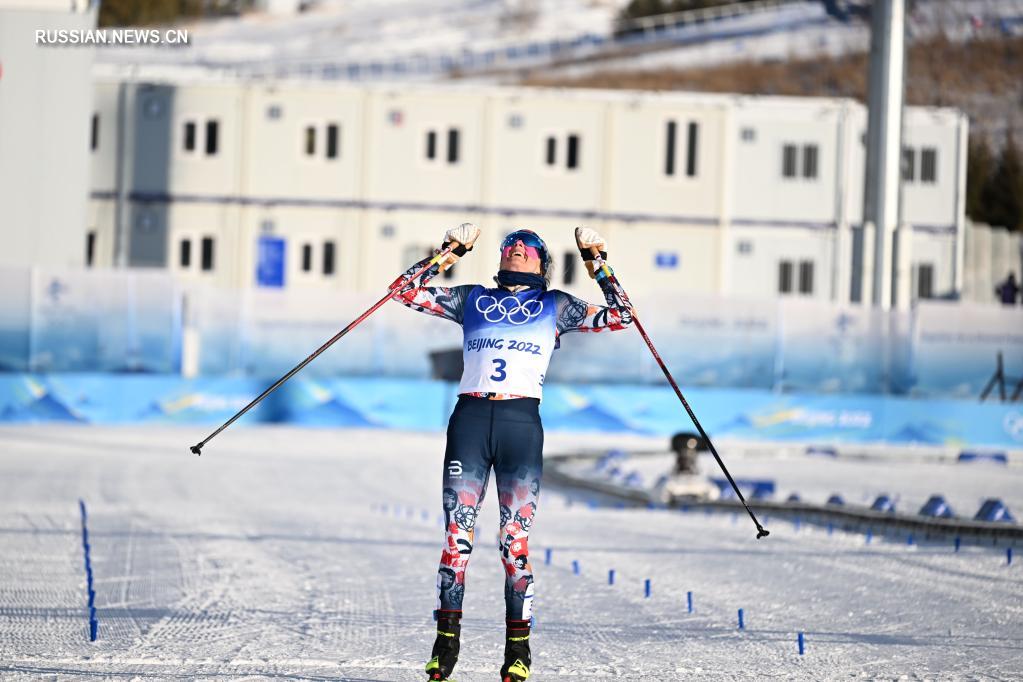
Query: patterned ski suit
508	341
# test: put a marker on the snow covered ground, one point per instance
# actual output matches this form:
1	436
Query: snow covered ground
274	555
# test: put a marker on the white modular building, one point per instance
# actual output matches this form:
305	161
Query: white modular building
289	184
45	132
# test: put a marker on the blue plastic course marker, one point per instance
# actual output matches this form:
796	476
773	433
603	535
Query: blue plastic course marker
575	566
611	577
646	588
86	550
689	601
547	556
1008	556
742	620
802	644
958	543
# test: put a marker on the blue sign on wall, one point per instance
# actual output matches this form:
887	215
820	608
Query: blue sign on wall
666	259
270	262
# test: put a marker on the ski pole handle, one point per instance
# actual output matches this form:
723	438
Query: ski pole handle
612	279
452	245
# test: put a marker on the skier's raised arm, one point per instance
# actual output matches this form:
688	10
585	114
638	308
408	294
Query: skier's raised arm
446	302
576	315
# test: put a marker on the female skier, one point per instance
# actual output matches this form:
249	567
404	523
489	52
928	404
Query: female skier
510	331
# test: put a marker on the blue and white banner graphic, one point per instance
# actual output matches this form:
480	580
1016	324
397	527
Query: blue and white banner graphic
423	405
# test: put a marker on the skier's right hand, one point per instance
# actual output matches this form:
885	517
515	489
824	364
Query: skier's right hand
465	235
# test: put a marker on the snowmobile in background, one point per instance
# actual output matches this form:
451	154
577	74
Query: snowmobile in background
685	483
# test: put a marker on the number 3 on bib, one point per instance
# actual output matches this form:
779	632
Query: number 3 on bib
499	373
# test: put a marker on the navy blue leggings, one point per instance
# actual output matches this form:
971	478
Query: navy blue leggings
506	436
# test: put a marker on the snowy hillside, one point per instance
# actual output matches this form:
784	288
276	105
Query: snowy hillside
398	40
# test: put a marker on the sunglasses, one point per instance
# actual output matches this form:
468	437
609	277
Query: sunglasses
535	248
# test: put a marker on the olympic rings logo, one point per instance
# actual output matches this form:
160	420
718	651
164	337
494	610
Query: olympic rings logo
519	312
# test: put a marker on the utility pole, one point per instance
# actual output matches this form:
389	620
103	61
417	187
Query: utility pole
889	271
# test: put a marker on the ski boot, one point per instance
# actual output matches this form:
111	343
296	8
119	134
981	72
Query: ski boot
445	647
516	652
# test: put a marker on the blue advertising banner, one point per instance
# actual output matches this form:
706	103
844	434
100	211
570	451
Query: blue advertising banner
424	405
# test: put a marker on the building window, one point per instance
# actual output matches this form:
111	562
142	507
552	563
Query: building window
805	277
744	247
669	161
188	139
90	247
310	140
211	137
207	254
692	141
333	140
453	145
307	257
929	165
431	144
908	164
748	135
94	133
788	161
569	266
328	258
925	280
552	150
573	152
185	253
785	277
810	161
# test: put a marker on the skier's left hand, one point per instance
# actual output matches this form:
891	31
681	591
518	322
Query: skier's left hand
585	239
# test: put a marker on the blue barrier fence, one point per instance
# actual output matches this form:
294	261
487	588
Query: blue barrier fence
424	405
55	321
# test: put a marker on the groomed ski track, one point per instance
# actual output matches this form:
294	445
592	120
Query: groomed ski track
311	554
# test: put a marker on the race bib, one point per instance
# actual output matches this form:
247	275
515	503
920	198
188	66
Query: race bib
508	341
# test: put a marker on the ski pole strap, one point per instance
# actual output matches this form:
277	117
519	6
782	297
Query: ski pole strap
458	249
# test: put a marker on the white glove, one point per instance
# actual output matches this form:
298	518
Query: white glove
465	234
585	238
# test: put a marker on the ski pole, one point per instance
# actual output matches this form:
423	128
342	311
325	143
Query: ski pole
761	531
197	448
